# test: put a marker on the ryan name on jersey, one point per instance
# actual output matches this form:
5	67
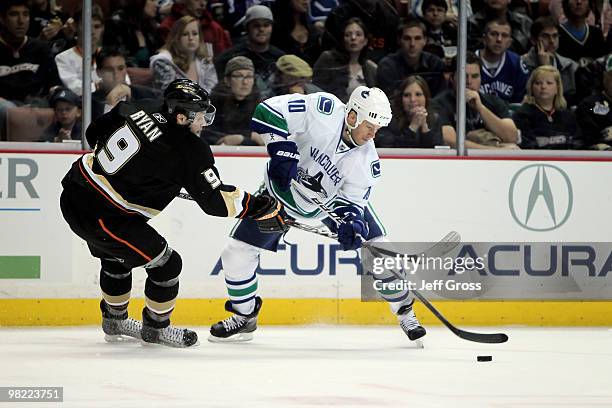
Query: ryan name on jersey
146	124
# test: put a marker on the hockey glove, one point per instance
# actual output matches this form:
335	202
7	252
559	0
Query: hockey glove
284	158
353	230
269	214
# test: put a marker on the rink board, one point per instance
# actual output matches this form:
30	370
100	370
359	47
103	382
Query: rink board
45	271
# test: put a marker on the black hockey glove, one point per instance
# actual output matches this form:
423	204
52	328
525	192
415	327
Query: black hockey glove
269	214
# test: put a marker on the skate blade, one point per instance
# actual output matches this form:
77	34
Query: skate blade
160	345
120	338
236	338
418	343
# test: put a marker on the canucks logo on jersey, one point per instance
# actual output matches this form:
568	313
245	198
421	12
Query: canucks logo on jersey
312	182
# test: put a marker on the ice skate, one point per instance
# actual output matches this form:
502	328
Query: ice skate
236	328
409	322
153	333
119	327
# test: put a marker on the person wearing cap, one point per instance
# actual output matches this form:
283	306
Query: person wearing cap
594	113
67	116
293	75
256	46
235	98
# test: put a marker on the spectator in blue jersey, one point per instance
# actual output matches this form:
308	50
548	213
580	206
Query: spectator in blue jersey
595	113
544	120
340	71
520	24
578	39
545	40
503	72
413	125
487	119
410	59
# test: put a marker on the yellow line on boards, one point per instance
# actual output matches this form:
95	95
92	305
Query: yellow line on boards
203	312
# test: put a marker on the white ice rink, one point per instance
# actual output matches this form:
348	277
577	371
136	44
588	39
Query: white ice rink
315	367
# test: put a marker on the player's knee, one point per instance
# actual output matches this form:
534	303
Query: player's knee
166	270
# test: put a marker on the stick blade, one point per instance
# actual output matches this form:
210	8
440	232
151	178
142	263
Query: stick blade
491	338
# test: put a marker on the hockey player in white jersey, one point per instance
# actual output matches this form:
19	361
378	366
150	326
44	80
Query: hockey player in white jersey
329	148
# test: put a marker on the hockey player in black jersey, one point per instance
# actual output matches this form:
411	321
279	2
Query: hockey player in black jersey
144	153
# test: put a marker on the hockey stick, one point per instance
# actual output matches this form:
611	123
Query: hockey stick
324	232
449	242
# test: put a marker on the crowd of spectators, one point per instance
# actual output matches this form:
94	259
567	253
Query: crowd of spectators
538	72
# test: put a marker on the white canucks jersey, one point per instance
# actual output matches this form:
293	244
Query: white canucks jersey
315	122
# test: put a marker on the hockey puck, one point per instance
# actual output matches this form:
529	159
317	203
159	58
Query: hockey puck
484	358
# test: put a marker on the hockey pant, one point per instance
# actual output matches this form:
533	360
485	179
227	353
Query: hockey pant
123	242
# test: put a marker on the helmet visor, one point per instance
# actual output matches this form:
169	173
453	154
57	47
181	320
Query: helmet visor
209	115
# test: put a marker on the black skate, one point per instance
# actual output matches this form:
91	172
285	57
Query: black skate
409	323
119	328
237	327
154	333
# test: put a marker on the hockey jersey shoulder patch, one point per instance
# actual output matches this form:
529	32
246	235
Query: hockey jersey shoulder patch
375	168
325	105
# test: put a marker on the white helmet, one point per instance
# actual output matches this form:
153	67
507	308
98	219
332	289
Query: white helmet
370	104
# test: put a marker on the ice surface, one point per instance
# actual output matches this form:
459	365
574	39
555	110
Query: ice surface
316	366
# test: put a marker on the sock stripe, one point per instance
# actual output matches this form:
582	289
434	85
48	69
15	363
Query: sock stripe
242	282
243	300
233	292
392	299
